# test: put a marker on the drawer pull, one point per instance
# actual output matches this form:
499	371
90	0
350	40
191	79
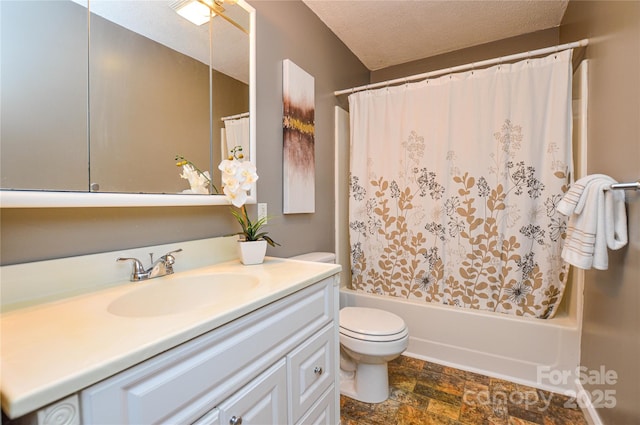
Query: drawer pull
235	420
318	370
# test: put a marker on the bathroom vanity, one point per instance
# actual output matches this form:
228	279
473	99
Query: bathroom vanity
265	353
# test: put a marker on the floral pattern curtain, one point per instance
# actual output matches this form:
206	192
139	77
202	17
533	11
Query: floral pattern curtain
454	185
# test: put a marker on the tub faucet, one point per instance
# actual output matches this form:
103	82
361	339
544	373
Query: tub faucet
161	267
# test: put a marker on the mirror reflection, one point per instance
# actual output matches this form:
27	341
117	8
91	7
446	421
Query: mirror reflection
152	85
43	139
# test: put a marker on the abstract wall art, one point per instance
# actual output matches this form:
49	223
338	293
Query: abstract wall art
298	125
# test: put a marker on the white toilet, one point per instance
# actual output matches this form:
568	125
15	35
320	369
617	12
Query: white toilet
369	339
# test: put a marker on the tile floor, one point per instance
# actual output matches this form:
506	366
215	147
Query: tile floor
427	393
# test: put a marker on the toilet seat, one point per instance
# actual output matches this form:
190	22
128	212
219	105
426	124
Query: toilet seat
374	338
370	324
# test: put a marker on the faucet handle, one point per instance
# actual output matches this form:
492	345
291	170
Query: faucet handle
174	251
138	268
169	258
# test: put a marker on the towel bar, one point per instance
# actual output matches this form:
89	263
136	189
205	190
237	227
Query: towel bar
623	186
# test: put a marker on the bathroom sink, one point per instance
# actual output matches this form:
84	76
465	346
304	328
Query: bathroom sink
178	294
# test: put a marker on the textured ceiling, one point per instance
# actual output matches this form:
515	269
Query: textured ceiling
391	32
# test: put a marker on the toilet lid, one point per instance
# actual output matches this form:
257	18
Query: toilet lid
370	321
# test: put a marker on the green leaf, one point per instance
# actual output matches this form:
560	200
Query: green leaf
251	230
270	241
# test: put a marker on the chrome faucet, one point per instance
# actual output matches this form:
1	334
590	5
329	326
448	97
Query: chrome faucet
161	267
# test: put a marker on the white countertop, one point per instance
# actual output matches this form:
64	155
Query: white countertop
52	350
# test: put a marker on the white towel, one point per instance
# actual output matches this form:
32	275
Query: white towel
597	220
569	202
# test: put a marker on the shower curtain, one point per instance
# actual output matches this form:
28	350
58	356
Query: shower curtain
235	133
454	184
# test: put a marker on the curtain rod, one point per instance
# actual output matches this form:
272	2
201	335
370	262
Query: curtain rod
468	66
233	117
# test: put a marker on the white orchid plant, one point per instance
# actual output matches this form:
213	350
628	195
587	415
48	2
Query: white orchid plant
199	181
238	176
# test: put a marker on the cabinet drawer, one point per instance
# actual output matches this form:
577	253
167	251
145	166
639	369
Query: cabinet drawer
211	418
311	370
324	412
185	382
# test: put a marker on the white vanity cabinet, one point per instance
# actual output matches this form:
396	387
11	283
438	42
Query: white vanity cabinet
275	365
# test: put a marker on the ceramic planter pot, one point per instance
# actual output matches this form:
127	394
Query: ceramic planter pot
252	252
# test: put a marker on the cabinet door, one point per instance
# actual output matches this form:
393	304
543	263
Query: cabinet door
311	371
262	401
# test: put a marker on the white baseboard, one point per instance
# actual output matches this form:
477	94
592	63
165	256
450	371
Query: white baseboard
589	411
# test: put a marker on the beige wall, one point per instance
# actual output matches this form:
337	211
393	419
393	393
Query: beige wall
285	30
519	44
611	328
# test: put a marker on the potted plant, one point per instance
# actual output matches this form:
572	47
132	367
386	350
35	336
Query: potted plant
237	178
253	245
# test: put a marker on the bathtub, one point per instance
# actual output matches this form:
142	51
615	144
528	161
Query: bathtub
529	351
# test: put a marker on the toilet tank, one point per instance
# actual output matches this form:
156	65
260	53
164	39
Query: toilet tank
318	257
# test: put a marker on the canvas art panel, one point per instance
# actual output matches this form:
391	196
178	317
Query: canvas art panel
298	129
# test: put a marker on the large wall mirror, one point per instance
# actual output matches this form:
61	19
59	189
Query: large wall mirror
99	97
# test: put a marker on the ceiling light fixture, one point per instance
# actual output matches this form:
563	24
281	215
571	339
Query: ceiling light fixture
200	11
192	10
